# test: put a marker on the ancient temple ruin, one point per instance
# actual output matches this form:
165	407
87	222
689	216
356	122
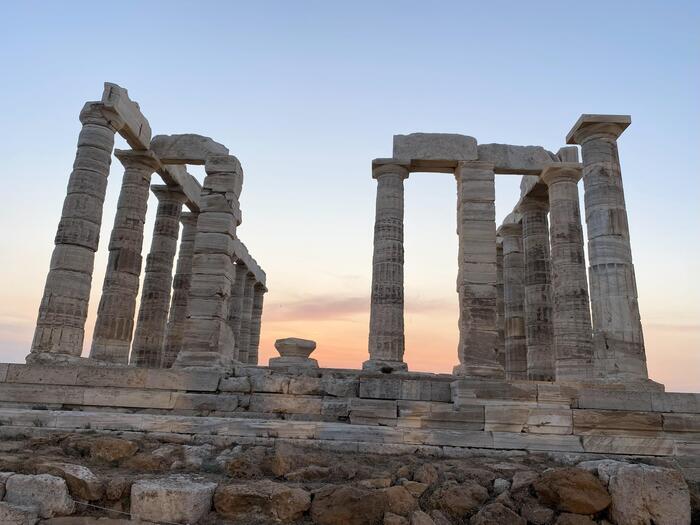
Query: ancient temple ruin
546	367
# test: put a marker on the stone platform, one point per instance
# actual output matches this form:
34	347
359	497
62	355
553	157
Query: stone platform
351	408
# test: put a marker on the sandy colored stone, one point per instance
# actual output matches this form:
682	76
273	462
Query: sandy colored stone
426	473
394	519
176	499
399	500
111	449
82	482
346	505
17	514
47	493
572	490
262	498
496	514
458	499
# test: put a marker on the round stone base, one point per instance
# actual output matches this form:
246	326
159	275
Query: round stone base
386	367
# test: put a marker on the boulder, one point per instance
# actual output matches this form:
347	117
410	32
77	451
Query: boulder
426	473
572	490
522	479
603	468
481	476
394	519
49	494
648	494
500	485
439	518
116	488
458	499
177	499
399	501
111	449
421	518
496	514
261	498
81	481
310	473
347	505
535	513
573	519
17	515
416	488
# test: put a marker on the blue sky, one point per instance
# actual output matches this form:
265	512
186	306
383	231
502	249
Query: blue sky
307	93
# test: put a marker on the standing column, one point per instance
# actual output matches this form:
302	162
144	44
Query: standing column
617	328
255	323
61	321
147	351
177	318
115	315
476	281
538	292
386	325
514	297
571	321
246	317
500	306
235	308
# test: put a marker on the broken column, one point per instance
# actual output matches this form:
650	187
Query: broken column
386	325
149	337
175	331
571	318
514	297
114	326
246	317
476	281
63	309
255	323
617	329
538	294
209	340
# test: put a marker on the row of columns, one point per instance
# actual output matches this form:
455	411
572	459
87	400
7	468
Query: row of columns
547	329
159	335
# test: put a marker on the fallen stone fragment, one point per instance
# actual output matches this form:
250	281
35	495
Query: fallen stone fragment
17	515
522	479
49	494
496	514
572	490
112	449
500	485
399	500
261	498
82	483
177	499
458	499
421	518
347	505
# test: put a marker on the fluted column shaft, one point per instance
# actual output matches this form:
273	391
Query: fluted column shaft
386	325
147	350
538	292
617	329
246	317
571	317
114	326
235	308
476	281
61	321
255	324
514	299
177	318
500	306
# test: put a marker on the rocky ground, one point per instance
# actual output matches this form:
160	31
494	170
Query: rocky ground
106	479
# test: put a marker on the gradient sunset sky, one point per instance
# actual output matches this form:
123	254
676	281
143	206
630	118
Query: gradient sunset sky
305	94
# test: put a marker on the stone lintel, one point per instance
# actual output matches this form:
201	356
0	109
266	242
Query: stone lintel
240	253
434	151
568	154
516	160
614	124
186	148
126	156
161	190
568	170
136	129
177	175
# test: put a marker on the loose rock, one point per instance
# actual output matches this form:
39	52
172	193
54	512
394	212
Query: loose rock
177	499
266	498
458	499
346	505
49	494
496	514
572	490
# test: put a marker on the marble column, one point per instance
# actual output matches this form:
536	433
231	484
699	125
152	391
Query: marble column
61	321
500	306
571	316
246	318
386	324
476	281
617	328
114	326
147	350
255	323
538	292
235	308
514	299
175	330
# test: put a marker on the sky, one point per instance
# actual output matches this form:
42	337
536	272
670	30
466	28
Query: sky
307	93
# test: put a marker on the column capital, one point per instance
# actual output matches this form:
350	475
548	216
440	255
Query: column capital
98	113
137	159
165	193
557	171
390	166
511	229
189	218
532	203
588	126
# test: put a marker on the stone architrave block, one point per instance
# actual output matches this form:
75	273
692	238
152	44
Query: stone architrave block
568	154
177	499
519	160
615	400
177	175
185	149
434	151
136	129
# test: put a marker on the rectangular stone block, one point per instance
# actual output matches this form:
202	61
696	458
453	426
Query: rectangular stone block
616	422
373	408
518	160
528	419
334	408
553	394
112	377
615	400
306	386
681	422
380	388
675	402
471	391
284	404
345	432
204	402
214	243
40	394
191	380
646	446
545	442
127	397
270	383
3	371
235	384
430	151
177	175
340	386
136	130
449	438
58	375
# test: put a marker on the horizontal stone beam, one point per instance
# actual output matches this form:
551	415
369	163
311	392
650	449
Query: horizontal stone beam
186	149
177	175
240	252
518	160
437	152
135	128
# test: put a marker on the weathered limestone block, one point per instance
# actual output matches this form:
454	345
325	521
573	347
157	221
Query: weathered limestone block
262	498
572	490
386	325
380	387
618	422
17	514
614	400
675	402
157	284
568	154
134	126
434	151
528	419
185	149
538	294
476	279
235	310
514	297
177	175
115	315
82	482
467	392
177	499
294	352
63	309
49	494
520	160
647	446
284	404
617	329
